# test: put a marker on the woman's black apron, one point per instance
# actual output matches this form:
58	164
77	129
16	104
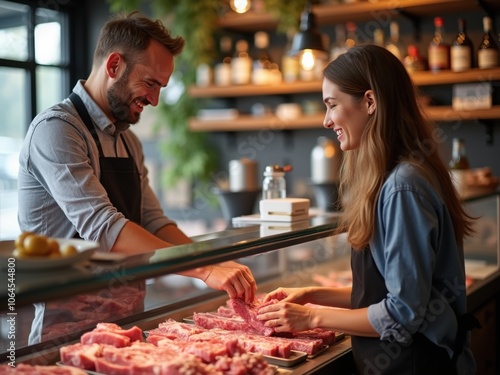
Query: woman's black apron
119	175
374	356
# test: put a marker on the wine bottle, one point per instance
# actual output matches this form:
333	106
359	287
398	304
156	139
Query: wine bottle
241	64
290	66
261	60
487	54
351	38
459	164
378	37
461	49
338	47
413	61
394	45
439	50
222	70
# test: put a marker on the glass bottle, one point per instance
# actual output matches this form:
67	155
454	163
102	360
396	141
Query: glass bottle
487	54
459	164
351	38
261	61
413	61
394	45
274	184
241	64
461	49
222	70
378	37
439	50
338	47
290	66
459	158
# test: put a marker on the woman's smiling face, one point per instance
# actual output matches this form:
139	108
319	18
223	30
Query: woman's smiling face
346	116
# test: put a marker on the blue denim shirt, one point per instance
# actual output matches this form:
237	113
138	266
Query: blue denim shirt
415	250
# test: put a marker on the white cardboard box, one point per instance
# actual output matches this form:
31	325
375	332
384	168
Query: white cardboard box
284	209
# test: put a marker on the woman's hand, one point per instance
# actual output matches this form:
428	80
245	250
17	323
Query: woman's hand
295	295
236	279
287	317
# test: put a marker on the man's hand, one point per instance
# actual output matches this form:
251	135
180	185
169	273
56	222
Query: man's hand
236	279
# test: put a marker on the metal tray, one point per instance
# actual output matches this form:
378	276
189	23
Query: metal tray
295	358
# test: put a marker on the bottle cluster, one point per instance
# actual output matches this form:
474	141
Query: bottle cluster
238	64
460	54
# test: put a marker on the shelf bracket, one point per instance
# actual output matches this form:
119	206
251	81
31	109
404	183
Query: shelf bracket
414	20
488	131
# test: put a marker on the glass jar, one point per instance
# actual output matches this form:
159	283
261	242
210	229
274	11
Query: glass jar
274	185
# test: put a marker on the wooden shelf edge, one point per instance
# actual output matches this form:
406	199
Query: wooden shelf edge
426	78
448	114
429	78
273	123
249	123
251	90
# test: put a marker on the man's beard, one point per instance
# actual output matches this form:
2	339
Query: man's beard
119	104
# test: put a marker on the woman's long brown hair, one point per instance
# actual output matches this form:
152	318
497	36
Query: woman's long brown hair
397	132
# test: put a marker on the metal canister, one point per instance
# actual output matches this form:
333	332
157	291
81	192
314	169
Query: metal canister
243	175
325	158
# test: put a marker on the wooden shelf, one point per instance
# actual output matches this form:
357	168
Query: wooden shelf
329	15
428	78
364	10
254	90
420	79
273	123
448	114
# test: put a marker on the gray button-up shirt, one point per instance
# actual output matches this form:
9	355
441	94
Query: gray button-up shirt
59	189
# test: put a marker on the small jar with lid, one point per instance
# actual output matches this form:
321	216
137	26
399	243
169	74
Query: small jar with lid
274	185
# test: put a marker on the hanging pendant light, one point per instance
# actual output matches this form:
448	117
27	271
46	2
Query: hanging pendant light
307	44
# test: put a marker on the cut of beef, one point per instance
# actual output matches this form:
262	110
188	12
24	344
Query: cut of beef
26	369
134	333
211	320
105	337
249	314
80	355
173	328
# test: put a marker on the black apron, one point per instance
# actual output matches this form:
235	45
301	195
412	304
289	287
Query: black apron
374	356
119	175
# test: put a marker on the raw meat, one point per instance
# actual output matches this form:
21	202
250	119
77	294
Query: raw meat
39	370
249	314
80	355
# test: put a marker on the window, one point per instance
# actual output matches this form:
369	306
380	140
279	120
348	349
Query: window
34	74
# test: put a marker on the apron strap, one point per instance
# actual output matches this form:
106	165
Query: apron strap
84	114
466	322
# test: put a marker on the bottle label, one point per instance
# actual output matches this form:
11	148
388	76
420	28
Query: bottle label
487	58
438	58
460	58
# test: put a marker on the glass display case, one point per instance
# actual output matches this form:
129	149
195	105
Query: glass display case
43	310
